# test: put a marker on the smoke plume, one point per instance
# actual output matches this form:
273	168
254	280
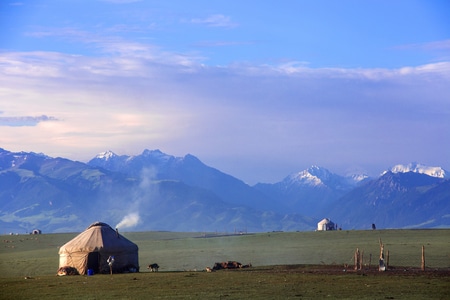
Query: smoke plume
140	200
129	220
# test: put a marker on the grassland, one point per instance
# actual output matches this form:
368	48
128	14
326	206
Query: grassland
286	265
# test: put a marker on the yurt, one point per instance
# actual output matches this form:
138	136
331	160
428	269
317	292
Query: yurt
91	249
326	224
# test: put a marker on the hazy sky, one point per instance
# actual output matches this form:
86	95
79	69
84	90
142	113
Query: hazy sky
256	89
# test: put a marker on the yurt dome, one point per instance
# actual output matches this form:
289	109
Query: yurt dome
326	224
92	248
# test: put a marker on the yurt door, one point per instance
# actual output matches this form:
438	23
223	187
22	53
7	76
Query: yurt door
94	262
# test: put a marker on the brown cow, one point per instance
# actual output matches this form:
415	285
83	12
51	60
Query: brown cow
227	265
234	265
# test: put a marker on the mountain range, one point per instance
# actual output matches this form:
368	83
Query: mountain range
157	191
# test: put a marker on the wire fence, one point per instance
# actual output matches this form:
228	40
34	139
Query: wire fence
403	257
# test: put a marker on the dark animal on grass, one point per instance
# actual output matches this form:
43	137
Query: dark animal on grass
153	267
227	265
218	266
63	271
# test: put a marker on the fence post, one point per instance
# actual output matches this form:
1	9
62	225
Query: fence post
356	258
423	258
381	263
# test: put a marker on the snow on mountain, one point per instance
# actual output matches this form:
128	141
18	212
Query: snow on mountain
419	168
107	155
182	193
308	192
316	176
304	177
157	154
395	200
313	176
358	177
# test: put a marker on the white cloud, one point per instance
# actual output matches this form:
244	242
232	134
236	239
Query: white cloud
24	120
216	20
234	118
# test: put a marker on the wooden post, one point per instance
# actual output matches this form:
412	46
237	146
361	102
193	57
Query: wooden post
423	258
381	264
356	259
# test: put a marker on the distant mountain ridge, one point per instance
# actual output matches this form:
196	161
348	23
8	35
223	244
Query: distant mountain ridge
419	168
396	200
59	195
157	191
310	191
315	176
157	165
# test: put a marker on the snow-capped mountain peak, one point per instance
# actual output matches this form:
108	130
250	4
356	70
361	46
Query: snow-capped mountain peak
313	176
358	177
319	172
320	177
107	155
157	154
419	168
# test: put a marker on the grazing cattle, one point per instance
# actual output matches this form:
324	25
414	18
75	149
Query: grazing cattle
218	266
208	269
153	267
63	271
227	265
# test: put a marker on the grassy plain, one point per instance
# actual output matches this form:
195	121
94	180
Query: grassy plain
286	265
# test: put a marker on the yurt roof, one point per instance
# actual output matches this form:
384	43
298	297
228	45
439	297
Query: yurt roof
325	221
98	224
96	238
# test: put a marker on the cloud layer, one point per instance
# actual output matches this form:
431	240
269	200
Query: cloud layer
253	92
273	119
24	120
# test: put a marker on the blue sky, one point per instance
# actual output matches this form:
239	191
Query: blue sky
257	89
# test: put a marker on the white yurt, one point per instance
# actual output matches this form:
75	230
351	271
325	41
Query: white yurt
92	248
326	224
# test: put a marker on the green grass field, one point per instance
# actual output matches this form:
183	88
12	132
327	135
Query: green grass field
285	265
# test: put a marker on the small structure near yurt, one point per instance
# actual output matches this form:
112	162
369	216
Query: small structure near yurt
91	249
325	225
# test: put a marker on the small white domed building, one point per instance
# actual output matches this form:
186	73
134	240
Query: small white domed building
325	225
